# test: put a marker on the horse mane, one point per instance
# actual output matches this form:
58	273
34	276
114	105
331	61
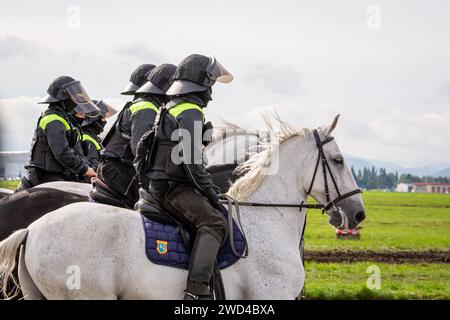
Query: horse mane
253	170
228	129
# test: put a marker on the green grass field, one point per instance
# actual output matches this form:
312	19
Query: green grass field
394	221
349	281
6	184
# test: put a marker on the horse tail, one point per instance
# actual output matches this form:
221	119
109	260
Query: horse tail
8	253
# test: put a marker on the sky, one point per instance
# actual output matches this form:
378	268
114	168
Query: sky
383	65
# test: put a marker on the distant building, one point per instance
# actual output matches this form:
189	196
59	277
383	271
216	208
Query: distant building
431	187
12	164
404	187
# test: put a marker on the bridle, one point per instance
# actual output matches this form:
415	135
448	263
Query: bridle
330	206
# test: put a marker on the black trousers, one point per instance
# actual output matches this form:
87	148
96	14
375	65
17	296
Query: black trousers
189	207
193	210
121	178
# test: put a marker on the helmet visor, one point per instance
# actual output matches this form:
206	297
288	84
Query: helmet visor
76	92
78	95
87	108
216	72
106	110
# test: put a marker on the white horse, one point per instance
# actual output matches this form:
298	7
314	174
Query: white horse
95	251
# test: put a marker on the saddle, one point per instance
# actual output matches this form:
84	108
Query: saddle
102	193
150	208
169	243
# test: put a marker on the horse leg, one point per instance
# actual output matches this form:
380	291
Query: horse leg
29	289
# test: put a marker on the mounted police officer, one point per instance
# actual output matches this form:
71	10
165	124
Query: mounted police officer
92	126
178	178
137	117
52	155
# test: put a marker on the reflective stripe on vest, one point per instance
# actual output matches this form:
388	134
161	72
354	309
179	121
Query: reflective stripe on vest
143	105
87	137
179	108
52	117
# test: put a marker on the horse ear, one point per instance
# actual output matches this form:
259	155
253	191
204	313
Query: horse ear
333	124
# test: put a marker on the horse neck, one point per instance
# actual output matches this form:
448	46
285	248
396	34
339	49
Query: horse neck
276	224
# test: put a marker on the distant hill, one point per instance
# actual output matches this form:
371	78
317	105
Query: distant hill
436	170
442	173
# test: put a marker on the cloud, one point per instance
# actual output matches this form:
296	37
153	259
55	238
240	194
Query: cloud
444	90
139	52
408	139
18	118
28	68
13	46
284	79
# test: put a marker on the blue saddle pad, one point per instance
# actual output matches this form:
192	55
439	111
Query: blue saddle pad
164	245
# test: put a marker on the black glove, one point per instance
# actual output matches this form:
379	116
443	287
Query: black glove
207	134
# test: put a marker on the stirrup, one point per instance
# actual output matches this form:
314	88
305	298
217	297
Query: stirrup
191	295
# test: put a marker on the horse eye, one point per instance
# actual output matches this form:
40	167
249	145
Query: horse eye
339	161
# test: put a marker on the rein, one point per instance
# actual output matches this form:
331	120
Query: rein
275	205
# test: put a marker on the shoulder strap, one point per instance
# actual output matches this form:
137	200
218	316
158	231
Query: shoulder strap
152	152
46	119
180	108
135	107
147	150
87	137
115	124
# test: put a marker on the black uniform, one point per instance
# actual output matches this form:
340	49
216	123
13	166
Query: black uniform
53	156
178	178
116	166
185	189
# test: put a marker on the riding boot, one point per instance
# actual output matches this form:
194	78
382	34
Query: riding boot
201	266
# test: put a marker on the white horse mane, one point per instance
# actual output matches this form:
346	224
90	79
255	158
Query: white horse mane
254	169
228	129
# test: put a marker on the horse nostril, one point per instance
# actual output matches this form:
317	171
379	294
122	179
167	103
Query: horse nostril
360	216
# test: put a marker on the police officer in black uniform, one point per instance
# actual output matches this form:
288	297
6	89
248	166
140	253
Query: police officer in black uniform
178	178
137	117
92	126
52	155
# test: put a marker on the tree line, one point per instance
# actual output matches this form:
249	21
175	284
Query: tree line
371	178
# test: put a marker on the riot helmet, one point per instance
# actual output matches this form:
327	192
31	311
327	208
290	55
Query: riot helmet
71	94
159	79
138	78
197	73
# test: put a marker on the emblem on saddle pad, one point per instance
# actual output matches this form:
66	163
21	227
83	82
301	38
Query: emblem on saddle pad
161	246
